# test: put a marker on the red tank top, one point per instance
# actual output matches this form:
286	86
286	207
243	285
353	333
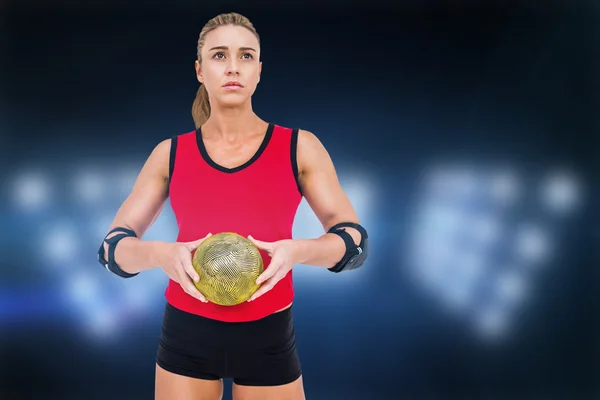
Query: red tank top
259	198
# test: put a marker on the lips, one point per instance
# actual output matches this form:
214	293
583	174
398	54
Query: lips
233	84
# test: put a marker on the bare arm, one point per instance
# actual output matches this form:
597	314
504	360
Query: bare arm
139	211
324	194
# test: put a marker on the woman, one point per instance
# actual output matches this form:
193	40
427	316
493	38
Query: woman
236	173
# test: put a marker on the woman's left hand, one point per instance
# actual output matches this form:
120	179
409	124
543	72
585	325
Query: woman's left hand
282	261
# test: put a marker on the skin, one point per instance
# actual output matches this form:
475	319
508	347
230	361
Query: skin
232	135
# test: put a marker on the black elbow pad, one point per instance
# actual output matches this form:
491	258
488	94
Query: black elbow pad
111	265
355	256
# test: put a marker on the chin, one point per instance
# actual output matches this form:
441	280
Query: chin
233	99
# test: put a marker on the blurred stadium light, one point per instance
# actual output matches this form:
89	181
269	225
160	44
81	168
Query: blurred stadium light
478	238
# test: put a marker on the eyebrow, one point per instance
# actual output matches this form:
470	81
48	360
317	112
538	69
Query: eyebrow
227	48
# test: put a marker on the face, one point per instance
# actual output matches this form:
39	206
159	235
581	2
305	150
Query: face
230	68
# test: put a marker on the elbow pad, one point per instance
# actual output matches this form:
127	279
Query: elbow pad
355	256
111	265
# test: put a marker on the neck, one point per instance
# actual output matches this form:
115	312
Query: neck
232	123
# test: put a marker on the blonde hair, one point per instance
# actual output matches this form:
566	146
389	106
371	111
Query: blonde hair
201	105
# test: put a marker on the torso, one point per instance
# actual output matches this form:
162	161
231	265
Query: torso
249	188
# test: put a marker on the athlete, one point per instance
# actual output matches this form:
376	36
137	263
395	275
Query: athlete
238	173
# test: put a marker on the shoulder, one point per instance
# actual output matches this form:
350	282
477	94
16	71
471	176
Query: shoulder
302	136
162	156
311	151
167	146
164	146
308	138
164	150
308	142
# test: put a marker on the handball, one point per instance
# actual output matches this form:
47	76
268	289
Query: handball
228	265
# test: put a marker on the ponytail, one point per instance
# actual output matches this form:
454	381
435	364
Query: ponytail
201	107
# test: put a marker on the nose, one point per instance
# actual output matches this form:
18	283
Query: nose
232	67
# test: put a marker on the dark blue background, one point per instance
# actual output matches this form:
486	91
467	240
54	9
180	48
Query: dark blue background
392	91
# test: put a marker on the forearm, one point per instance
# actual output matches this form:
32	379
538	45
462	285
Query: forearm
134	255
324	251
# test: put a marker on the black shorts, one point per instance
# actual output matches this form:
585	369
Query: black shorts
256	353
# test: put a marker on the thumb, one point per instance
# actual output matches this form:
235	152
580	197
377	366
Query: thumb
268	247
192	245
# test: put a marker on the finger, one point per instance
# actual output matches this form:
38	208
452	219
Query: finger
268	285
188	267
268	247
188	287
193	245
269	272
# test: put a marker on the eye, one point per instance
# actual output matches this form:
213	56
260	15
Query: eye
219	55
248	56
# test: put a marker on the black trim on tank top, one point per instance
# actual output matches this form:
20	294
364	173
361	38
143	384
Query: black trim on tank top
172	157
221	168
294	157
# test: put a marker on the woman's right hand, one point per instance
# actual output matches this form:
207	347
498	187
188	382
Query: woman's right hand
176	260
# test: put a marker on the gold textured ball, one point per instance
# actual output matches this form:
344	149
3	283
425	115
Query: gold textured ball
228	265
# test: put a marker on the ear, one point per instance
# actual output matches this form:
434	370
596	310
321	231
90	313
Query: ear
198	69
